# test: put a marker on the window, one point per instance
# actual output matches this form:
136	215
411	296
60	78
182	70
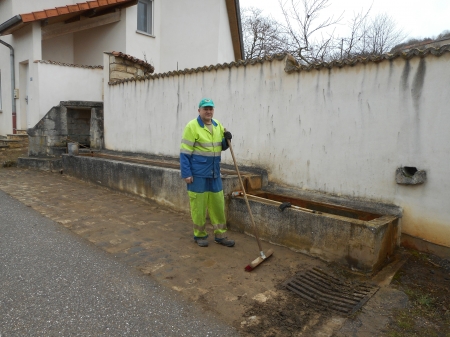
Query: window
145	16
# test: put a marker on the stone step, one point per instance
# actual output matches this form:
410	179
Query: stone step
49	164
17	136
3	147
13	143
21	132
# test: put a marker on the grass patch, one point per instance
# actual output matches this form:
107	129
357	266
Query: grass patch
425	300
426	314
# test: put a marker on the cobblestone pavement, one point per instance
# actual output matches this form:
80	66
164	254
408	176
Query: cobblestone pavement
54	283
158	242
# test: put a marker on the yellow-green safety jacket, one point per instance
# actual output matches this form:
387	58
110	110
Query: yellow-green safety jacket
200	149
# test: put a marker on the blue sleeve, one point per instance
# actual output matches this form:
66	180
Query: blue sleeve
185	165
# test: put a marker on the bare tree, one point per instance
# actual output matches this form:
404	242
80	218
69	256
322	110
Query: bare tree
380	36
262	35
310	39
302	23
369	36
444	35
351	43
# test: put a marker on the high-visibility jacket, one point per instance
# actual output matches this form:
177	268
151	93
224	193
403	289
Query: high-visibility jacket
200	149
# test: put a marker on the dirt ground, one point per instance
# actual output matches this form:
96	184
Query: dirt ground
158	241
8	157
426	280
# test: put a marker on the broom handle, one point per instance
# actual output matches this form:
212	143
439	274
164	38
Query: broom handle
255	229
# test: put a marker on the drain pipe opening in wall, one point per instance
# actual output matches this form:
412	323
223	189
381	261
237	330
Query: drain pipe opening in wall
410	175
13	84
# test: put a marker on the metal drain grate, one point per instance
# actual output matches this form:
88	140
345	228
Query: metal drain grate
329	292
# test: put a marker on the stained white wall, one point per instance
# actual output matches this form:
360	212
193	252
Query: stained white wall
342	131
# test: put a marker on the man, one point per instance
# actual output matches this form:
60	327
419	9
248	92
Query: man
203	140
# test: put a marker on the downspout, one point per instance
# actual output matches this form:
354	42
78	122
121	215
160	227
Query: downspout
13	84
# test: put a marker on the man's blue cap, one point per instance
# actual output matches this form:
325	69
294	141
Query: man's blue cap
206	102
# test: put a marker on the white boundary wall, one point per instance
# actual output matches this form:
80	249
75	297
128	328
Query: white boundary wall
56	83
343	131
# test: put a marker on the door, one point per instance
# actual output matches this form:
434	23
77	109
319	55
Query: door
23	95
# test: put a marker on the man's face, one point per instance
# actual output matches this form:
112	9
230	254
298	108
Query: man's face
206	113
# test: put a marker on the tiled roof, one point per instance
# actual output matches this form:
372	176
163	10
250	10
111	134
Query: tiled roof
69	9
133	59
68	64
292	65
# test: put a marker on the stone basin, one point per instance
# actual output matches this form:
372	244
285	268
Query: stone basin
360	240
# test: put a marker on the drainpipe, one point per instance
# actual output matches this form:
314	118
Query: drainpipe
13	84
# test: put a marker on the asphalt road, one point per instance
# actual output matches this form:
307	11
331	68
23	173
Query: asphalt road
53	283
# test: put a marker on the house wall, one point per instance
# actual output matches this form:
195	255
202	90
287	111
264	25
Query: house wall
342	131
27	48
5	72
59	49
225	50
89	45
178	41
6	10
144	47
197	36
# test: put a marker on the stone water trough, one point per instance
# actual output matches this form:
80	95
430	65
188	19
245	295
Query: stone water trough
360	240
356	234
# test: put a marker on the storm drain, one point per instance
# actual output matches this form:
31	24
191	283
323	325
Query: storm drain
327	291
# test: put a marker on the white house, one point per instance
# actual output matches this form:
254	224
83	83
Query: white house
56	46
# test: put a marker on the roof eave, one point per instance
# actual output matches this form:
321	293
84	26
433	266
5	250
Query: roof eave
241	39
8	26
234	19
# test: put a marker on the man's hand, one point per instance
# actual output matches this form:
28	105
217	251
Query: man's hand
227	135
189	180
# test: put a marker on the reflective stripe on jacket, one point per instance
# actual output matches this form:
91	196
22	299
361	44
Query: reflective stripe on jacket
200	150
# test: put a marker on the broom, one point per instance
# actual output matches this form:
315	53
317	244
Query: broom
260	259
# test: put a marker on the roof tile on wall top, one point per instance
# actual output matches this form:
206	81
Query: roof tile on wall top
133	59
294	66
68	64
375	58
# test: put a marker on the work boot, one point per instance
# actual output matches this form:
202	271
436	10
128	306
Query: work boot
224	242
202	242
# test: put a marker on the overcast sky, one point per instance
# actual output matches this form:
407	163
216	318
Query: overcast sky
418	18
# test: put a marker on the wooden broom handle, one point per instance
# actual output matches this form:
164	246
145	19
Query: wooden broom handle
255	229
